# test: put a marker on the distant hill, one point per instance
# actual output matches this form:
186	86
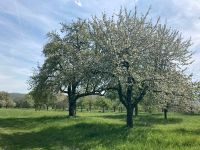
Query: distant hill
17	96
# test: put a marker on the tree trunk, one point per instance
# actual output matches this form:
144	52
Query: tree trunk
103	109
114	109
129	120
165	113
136	110
72	100
47	107
72	107
129	107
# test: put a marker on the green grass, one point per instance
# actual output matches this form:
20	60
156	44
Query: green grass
27	129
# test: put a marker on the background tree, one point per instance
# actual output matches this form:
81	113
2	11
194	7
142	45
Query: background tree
27	102
103	103
60	102
150	102
175	94
113	96
5	100
89	102
80	104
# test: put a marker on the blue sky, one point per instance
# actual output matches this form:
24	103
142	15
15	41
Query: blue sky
24	24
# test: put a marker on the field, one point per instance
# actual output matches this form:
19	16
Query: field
27	129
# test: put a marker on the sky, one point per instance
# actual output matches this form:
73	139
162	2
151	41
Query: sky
25	23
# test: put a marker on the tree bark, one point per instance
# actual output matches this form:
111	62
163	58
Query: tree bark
136	110
129	122
165	113
72	100
129	107
72	108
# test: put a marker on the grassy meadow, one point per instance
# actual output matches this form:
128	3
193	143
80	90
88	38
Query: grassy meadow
26	129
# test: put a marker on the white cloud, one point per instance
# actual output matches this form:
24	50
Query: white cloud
78	2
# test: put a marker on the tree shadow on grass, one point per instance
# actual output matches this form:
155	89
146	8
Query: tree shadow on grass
184	131
149	120
146	120
114	116
23	123
78	136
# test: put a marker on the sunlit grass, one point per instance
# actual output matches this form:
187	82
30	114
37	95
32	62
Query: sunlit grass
27	129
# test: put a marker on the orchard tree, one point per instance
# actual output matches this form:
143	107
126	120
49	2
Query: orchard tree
138	54
42	97
5	100
113	96
80	103
103	103
60	101
89	102
27	101
176	94
69	58
150	102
